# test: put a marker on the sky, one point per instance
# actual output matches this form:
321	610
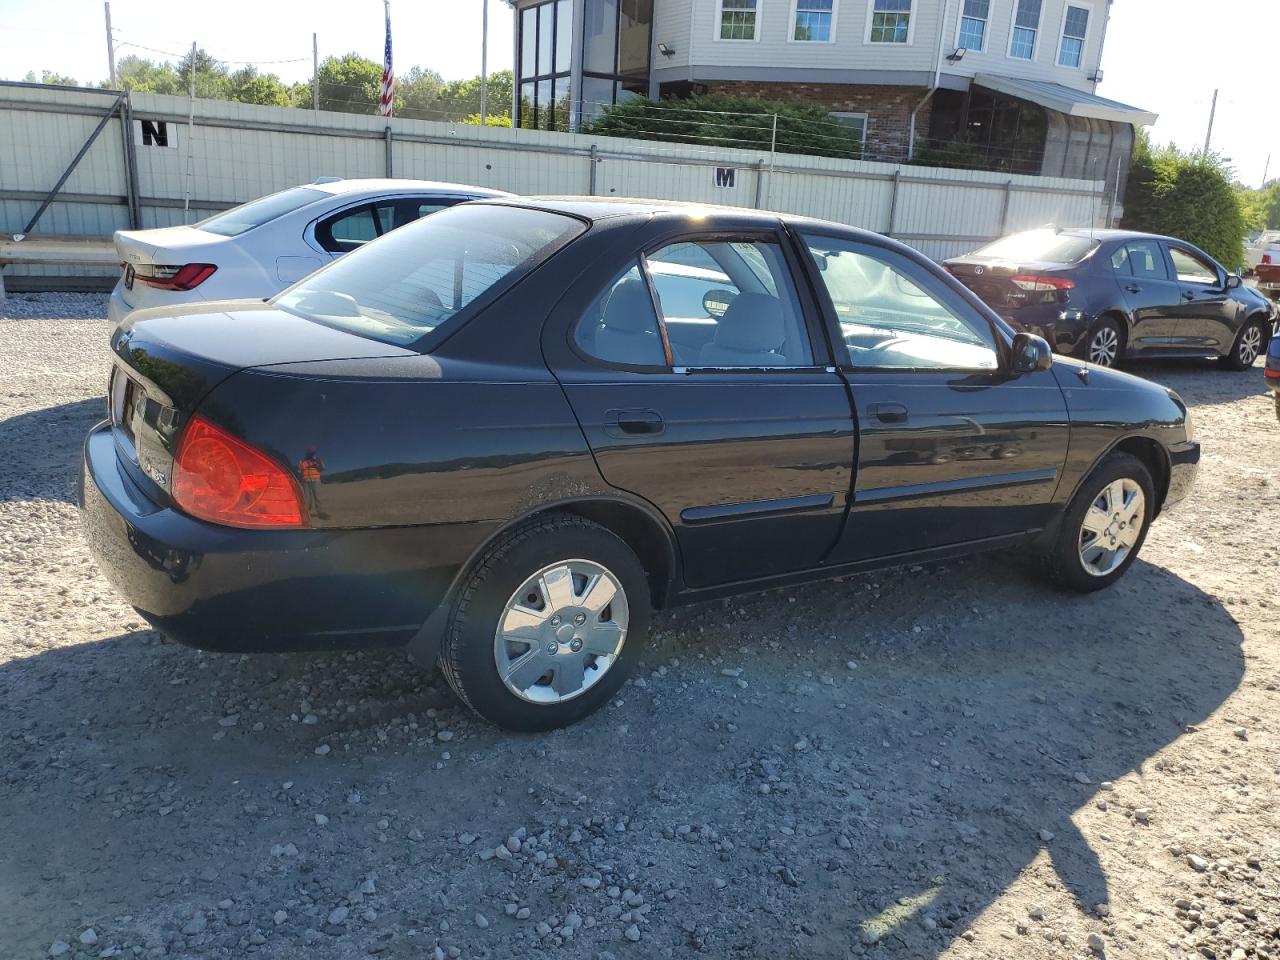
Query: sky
1163	55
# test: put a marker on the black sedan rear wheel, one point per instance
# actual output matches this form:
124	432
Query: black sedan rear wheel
1106	343
1104	527
1251	341
548	624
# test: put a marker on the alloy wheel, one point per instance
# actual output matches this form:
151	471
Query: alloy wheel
561	632
1250	345
1105	346
1111	527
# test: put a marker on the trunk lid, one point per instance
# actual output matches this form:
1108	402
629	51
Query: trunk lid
141	250
166	362
992	280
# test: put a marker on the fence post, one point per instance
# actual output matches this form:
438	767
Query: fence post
386	136
130	165
759	181
893	203
1004	213
773	156
591	177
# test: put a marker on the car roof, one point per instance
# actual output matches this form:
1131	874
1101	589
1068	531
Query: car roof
396	185
1116	234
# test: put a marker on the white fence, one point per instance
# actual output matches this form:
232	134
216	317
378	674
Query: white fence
150	168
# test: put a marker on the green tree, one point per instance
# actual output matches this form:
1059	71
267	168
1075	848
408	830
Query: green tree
417	93
247	85
350	84
719	120
48	76
135	73
1186	196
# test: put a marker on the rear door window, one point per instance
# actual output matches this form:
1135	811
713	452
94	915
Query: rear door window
729	303
621	326
1145	261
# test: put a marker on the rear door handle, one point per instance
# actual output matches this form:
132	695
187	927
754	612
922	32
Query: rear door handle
634	423
1188	294
1133	288
888	412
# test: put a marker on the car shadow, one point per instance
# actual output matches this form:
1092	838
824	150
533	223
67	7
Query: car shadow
48	442
893	801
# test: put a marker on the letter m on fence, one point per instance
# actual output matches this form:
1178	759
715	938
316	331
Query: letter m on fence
725	176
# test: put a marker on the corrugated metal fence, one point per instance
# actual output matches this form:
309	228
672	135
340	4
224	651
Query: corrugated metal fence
152	167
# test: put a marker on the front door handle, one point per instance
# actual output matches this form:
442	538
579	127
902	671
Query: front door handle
1133	288
1188	294
634	423
888	412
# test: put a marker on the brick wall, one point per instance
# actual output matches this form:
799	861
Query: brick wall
888	109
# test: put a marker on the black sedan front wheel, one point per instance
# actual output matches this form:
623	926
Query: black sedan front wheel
1104	527
548	625
1250	342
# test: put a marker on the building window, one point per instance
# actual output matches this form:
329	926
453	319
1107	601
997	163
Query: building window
813	20
856	126
973	25
545	31
890	21
1026	25
738	19
1074	30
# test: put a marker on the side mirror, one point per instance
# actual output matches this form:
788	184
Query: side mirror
1233	281
1031	353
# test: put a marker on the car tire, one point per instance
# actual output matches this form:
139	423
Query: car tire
1250	343
1085	558
559	593
1105	344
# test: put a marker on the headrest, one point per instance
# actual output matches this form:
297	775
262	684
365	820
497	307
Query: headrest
752	322
630	308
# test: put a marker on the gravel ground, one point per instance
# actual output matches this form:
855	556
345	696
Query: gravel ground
947	761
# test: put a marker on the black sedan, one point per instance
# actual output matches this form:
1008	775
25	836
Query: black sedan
1108	295
504	434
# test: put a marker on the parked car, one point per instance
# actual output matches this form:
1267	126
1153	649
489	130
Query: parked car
1264	249
489	436
255	250
1266	268
1108	295
1271	373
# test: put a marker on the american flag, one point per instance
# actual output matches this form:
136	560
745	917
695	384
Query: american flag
388	76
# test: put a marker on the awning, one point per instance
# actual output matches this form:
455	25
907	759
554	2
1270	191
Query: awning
1074	103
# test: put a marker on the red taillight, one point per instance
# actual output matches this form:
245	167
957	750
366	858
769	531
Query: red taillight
187	277
1042	284
1266	258
219	478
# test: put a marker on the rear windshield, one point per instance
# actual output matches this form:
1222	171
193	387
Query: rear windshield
404	285
255	213
1043	245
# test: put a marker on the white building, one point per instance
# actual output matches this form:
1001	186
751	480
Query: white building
1013	80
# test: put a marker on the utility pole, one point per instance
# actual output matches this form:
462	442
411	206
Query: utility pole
191	132
1265	170
315	77
111	45
1208	134
484	62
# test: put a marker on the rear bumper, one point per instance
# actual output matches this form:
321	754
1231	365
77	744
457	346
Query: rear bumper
1064	327
221	588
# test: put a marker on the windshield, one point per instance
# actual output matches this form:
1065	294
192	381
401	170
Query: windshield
1045	246
255	213
399	288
